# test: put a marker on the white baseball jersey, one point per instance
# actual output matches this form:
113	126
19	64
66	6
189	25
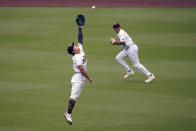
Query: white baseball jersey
78	79
79	59
124	37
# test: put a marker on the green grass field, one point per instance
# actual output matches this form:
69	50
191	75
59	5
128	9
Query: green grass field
35	70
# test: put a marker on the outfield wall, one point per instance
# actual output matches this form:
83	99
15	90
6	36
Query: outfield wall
100	3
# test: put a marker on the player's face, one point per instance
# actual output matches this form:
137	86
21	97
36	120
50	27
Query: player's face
76	49
116	30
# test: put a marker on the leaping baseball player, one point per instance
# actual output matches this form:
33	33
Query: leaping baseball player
130	49
79	66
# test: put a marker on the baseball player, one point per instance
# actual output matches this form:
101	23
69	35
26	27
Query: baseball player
130	49
78	79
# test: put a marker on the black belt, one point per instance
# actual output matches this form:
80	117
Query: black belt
129	46
77	72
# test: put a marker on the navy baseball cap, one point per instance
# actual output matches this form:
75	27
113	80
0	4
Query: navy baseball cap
116	25
70	49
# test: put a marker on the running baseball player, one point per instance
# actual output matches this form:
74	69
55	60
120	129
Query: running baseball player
79	66
130	49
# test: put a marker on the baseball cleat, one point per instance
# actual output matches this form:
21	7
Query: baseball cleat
150	78
68	118
127	74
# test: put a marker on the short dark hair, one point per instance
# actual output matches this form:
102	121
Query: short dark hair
70	49
117	25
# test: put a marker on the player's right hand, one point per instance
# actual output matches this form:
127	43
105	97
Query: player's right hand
113	40
90	81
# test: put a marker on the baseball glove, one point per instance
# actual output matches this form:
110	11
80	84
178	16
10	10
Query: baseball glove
80	20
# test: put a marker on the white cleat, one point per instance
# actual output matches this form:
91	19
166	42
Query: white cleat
150	78
130	73
68	118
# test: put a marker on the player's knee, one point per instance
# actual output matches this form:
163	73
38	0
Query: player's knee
118	58
137	65
74	97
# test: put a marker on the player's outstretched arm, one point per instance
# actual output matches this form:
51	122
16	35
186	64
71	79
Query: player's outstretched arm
84	73
118	43
114	42
80	35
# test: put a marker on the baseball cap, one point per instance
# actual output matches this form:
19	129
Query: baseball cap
116	25
70	49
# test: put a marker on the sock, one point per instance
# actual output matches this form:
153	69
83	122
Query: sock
71	106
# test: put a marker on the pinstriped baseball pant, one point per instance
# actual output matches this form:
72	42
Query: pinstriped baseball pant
132	53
